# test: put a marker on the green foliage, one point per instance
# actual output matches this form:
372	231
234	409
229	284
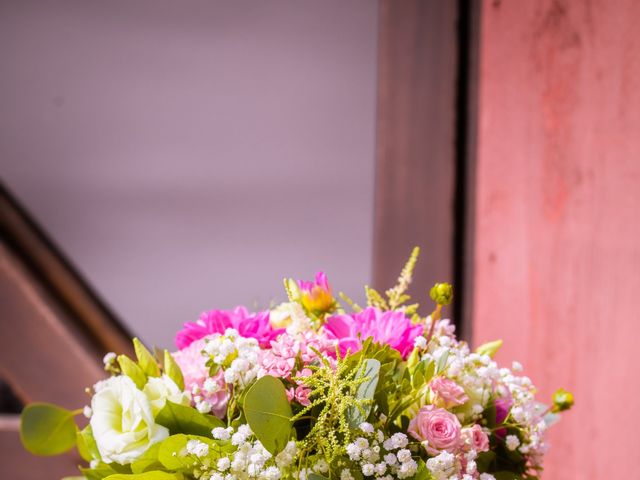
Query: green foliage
172	369
374	299
103	470
87	444
397	295
132	370
354	306
155	475
369	370
146	360
148	460
336	395
489	348
268	413
442	362
316	476
182	419
47	429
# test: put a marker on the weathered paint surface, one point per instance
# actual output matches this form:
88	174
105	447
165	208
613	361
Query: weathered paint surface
557	270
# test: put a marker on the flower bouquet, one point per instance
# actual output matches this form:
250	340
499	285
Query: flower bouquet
308	391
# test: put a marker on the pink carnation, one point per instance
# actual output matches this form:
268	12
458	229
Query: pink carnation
300	394
250	325
281	358
393	328
447	393
437	429
195	373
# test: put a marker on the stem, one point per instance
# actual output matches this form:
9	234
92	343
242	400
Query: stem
435	316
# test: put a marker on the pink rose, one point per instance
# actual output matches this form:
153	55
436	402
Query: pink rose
447	393
475	438
437	429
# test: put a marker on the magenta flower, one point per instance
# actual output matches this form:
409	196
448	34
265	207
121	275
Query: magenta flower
393	328
316	296
249	325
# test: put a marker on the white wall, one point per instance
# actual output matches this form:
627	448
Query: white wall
189	154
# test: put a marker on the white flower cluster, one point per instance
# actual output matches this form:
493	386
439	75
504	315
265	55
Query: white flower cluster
250	460
237	355
447	466
483	381
380	457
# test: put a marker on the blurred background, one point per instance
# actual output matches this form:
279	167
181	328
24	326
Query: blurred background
161	158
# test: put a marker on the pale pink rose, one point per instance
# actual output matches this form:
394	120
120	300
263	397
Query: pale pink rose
447	393
475	438
437	429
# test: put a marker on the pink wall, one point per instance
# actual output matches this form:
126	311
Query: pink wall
558	216
189	154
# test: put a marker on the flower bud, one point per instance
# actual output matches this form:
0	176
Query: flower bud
441	293
316	296
562	400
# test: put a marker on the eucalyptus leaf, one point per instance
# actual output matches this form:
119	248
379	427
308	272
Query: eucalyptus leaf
182	419
172	369
132	370
370	369
146	360
47	429
268	413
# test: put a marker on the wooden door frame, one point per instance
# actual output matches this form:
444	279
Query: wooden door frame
425	151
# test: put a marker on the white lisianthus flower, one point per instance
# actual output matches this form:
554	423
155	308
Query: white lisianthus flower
160	389
122	421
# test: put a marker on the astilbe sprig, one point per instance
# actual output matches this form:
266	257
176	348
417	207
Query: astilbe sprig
333	395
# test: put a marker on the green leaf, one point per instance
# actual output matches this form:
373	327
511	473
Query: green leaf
99	472
268	413
133	371
171	450
316	476
146	360
47	429
506	476
148	460
172	369
87	444
484	461
182	419
489	348
155	475
370	369
429	371
442	362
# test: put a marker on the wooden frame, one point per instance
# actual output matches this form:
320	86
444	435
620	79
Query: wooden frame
416	135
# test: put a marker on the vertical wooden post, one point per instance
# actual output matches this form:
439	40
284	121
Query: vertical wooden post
416	134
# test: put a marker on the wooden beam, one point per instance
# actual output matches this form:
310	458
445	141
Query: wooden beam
416	134
51	270
43	355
